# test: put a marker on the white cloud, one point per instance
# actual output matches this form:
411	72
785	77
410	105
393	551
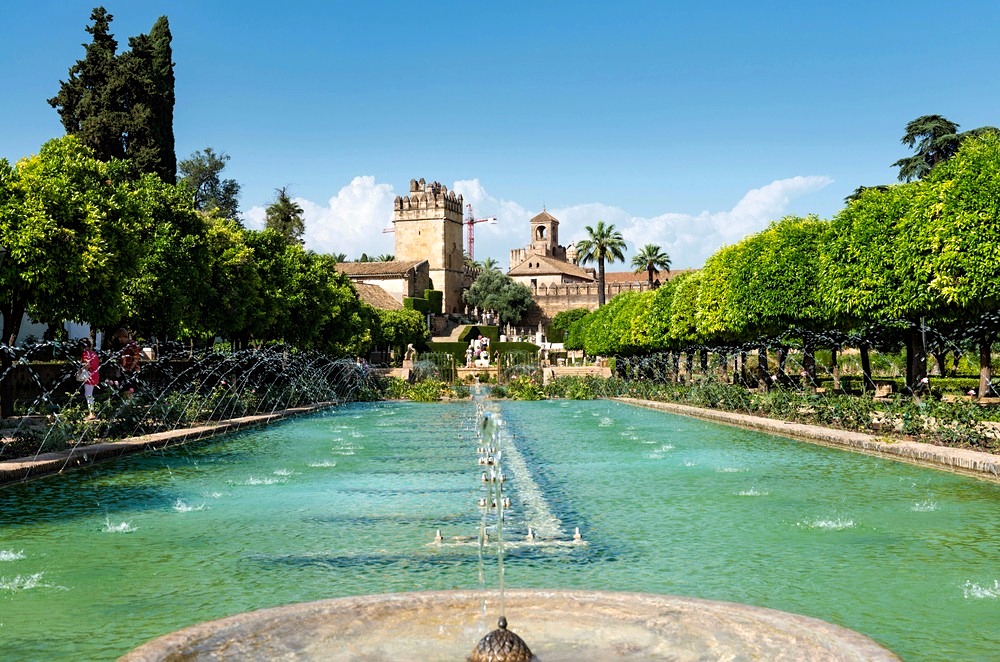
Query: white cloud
351	222
510	230
690	239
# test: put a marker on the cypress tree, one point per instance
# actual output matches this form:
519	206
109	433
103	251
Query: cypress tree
163	104
122	105
89	103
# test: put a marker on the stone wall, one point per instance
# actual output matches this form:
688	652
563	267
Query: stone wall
552	299
428	226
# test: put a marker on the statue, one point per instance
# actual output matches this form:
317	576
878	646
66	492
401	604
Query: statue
410	353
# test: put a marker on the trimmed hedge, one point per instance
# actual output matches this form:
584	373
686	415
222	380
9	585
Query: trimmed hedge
470	333
939	385
457	349
416	303
435	299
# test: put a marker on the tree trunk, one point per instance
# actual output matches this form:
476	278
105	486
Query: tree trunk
941	361
835	368
676	358
763	374
6	385
743	369
600	282
985	363
782	358
867	384
688	365
12	315
916	362
724	367
809	363
704	362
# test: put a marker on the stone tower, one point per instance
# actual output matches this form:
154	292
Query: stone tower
428	226
545	236
544	241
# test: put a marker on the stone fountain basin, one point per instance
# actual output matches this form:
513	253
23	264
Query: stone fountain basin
556	625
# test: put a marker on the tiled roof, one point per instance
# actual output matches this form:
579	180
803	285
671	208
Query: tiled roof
376	297
548	266
395	268
543	217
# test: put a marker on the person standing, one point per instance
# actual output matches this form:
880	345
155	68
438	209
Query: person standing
129	361
92	363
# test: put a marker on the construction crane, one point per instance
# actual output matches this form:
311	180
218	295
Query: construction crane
470	225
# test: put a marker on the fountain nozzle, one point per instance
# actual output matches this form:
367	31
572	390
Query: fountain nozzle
501	645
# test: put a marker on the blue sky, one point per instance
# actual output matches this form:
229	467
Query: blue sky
688	125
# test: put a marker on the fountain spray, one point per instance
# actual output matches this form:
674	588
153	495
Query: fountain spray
501	644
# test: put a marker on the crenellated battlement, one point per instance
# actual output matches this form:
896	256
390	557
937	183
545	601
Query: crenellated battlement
555	298
428	197
428	226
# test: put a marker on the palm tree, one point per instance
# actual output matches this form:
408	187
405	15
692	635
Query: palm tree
339	257
488	264
385	257
651	259
284	215
604	244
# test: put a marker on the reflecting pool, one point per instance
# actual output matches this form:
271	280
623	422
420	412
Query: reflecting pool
348	502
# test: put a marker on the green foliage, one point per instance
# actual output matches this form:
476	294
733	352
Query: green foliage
435	300
576	335
457	349
524	387
862	273
495	290
559	328
956	228
417	304
427	390
164	297
201	176
574	388
658	316
73	228
399	328
684	311
284	216
935	139
651	259
716	316
772	279
476	330
620	327
234	283
121	105
603	244
395	388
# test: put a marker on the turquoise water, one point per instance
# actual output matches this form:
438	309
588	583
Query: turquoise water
95	562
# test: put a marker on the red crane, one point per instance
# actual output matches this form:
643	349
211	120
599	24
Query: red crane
470	225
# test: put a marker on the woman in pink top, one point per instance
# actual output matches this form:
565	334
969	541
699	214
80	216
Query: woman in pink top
92	362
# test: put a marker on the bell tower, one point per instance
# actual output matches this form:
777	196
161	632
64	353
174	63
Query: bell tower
545	236
428	226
